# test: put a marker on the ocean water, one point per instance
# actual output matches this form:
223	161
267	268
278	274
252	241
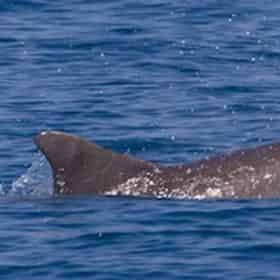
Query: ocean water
166	81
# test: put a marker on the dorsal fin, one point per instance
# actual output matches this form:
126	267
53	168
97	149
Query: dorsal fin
79	166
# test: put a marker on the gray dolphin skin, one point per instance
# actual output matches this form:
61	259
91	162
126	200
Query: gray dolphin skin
82	167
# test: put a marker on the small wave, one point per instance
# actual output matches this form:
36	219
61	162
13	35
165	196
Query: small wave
35	182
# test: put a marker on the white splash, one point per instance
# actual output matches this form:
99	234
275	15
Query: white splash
36	181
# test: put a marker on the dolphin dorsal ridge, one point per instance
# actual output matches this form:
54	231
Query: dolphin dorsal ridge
79	166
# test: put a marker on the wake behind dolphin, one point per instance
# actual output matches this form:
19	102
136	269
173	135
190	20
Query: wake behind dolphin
81	167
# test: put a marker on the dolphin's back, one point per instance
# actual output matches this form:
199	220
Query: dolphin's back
82	167
249	173
79	166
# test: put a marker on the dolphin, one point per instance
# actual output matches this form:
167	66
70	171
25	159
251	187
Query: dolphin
82	167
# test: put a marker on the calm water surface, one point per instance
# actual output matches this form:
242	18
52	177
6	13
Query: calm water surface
166	81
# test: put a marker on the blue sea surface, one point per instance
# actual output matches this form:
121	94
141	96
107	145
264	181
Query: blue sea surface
165	81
